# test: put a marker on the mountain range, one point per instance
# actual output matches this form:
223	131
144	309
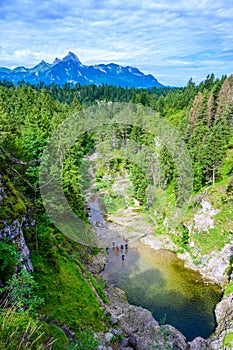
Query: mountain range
71	70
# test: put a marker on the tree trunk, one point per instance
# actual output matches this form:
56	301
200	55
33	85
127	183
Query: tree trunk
213	179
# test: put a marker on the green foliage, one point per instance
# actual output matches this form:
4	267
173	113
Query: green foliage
47	247
229	190
215	149
8	259
140	184
71	183
28	116
68	295
12	206
228	340
165	335
211	240
167	165
226	168
229	288
185	235
113	202
85	341
20	331
20	290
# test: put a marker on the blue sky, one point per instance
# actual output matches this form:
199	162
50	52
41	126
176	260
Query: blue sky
173	40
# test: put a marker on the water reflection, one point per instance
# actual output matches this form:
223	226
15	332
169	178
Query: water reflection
157	280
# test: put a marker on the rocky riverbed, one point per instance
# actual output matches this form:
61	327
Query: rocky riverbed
133	327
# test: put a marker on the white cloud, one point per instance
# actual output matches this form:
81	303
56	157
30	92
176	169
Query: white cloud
173	39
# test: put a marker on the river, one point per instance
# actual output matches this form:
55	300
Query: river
156	279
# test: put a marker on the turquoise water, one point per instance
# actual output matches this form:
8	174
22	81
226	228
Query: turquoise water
159	282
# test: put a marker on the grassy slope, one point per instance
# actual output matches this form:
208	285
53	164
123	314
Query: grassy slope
72	295
221	198
69	298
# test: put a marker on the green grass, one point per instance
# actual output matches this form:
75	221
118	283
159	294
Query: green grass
12	207
229	288
20	331
15	324
69	298
228	340
227	166
113	202
210	241
218	236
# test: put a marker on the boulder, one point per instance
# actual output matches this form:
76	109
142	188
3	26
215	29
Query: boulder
198	344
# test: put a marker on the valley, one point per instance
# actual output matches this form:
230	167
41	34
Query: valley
155	173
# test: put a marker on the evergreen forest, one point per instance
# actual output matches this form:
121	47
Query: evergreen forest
59	304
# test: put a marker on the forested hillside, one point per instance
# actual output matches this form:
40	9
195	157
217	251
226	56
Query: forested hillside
57	303
60	289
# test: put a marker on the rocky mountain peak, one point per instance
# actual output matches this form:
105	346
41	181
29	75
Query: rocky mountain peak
56	61
71	57
70	69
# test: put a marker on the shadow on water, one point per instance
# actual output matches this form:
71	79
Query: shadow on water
158	281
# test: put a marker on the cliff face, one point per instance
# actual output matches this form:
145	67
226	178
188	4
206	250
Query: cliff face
16	216
224	332
223	335
14	232
138	328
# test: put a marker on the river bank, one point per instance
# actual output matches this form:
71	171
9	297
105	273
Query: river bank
126	320
213	267
132	327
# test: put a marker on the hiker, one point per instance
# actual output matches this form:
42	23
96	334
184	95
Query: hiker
123	257
113	245
117	247
126	246
122	246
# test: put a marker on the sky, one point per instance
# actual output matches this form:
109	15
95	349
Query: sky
172	39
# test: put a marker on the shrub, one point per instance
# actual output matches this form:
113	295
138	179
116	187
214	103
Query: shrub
19	331
8	259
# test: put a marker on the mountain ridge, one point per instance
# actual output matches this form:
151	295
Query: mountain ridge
69	69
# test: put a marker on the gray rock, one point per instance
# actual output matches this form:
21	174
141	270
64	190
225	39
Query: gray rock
14	232
113	320
116	332
198	344
175	338
124	343
224	317
98	262
108	337
138	326
144	330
